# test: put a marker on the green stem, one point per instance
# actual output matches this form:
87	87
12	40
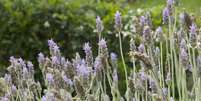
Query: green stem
122	57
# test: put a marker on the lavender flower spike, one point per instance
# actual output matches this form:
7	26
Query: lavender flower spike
102	43
41	58
103	48
118	23
49	78
86	48
99	25
193	28
170	2
113	56
166	14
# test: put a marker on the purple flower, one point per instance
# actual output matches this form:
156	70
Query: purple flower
41	58
152	85
25	73
157	51
182	18
87	48
165	91
12	59
99	25
102	43
54	49
142	20
159	30
8	78
22	63
193	28
30	66
147	34
66	79
4	99
143	76
141	48
97	63
13	89
183	43
49	78
51	43
113	56
43	98
166	14
184	57
115	76
55	60
82	69
118	23
170	2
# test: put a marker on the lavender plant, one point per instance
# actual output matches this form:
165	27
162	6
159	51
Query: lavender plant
166	67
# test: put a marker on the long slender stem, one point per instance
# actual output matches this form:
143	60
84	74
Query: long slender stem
122	57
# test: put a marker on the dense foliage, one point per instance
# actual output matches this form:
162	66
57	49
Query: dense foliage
25	25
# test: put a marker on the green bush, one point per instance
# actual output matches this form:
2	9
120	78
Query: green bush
25	25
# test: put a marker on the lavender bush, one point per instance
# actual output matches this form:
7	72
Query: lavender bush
166	66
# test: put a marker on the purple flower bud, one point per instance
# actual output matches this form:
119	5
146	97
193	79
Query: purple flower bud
97	63
166	14
115	76
157	51
184	57
87	48
82	69
49	78
25	73
159	30
13	89
51	43
63	61
67	80
30	66
193	35
182	18
141	48
142	21
12	59
165	91
147	34
118	23
152	85
8	78
113	56
41	58
143	75
102	43
54	49
4	98
183	44
22	63
193	28
170	2
55	60
43	98
99	25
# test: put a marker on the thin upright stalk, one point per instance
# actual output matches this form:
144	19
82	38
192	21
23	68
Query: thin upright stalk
122	58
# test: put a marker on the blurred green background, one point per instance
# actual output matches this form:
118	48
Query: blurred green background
26	25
